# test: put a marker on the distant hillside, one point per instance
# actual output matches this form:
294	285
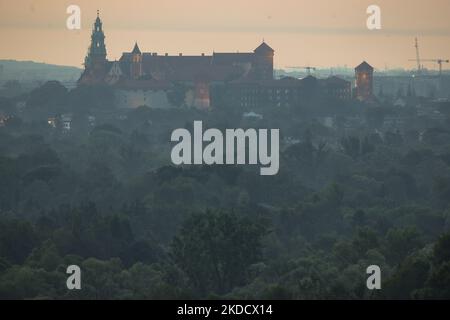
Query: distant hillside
29	71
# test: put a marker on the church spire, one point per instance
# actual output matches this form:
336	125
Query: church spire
136	49
97	49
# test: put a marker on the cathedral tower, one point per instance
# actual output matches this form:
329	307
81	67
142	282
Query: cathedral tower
136	63
95	61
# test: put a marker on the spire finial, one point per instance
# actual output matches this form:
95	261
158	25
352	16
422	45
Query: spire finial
98	13
136	49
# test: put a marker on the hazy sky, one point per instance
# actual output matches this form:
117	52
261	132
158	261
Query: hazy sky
302	32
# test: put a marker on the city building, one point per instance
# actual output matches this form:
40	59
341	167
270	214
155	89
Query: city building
285	92
364	82
142	78
163	81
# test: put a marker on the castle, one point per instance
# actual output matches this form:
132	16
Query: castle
244	79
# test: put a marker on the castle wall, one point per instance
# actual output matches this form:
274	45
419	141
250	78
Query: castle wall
136	98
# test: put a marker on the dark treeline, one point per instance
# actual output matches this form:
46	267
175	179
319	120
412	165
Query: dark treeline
104	195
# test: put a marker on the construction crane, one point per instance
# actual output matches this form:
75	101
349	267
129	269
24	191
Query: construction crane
419	61
439	62
308	69
419	66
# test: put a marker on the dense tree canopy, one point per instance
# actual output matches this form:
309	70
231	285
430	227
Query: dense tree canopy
105	196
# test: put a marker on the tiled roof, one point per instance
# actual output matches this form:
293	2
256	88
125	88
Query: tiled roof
264	47
232	58
333	80
364	66
136	49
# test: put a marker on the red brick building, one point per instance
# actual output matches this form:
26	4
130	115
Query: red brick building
243	79
136	69
364	82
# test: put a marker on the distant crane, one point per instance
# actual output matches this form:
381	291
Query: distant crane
419	66
308	69
439	62
419	61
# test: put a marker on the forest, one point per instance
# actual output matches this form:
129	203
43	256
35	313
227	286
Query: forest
105	196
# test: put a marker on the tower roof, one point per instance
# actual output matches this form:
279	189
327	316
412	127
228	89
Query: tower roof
97	47
136	49
97	20
264	47
364	66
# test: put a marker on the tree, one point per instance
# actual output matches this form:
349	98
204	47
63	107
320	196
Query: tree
17	239
101	278
215	250
6	106
356	147
364	240
85	99
49	99
409	277
12	85
401	243
441	250
177	94
439	281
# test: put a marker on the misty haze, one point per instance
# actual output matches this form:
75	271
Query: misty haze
193	150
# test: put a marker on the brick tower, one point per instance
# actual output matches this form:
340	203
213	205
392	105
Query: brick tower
364	82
